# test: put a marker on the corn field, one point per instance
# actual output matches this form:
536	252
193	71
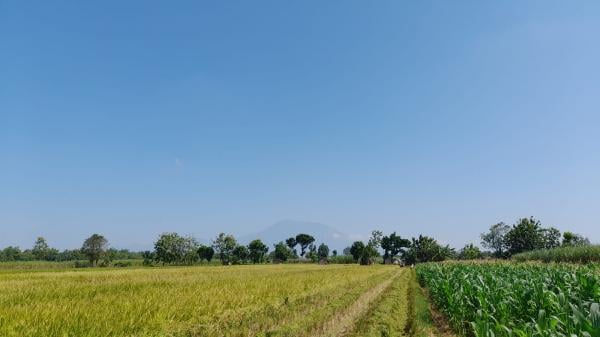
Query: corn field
504	299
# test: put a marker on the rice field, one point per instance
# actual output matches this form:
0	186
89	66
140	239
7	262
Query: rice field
504	299
264	300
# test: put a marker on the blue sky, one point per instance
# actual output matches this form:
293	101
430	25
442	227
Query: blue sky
138	117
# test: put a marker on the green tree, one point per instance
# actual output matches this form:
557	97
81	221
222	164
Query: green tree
148	257
169	248
282	253
224	246
427	249
94	248
205	253
571	239
368	254
525	235
494	239
312	253
334	253
11	253
257	251
40	249
239	255
375	239
189	250
393	245
70	255
304	240
323	251
356	250
470	252
291	243
550	238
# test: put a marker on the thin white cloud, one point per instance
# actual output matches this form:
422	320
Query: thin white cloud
178	162
358	237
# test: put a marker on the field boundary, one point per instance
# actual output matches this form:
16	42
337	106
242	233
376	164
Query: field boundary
343	323
423	319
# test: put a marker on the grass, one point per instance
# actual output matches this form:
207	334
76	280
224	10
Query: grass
420	322
580	254
265	300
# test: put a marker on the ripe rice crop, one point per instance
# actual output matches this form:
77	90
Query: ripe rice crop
265	300
515	300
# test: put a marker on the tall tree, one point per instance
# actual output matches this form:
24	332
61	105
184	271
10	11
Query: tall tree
494	238
312	253
94	247
323	251
239	255
393	245
281	253
205	253
169	248
304	240
550	238
356	250
189	250
291	243
40	249
525	235
257	251
224	246
427	249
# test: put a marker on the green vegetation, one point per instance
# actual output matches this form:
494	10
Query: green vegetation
390	314
527	234
505	299
420	322
571	254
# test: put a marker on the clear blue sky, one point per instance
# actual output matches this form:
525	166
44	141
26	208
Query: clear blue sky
130	118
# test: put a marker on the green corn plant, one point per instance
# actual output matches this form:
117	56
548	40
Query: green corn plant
505	299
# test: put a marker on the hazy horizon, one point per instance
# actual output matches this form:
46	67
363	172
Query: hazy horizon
133	119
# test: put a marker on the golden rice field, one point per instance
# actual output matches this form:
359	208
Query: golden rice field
265	300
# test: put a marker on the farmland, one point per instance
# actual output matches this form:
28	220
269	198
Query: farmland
472	298
507	299
266	300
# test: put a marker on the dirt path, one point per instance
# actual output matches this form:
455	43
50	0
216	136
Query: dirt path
343	323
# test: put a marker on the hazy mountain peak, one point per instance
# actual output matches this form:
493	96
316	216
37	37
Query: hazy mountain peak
287	228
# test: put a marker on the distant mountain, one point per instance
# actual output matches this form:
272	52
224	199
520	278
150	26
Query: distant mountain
282	230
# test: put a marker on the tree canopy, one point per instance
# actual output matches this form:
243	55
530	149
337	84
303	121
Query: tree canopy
94	248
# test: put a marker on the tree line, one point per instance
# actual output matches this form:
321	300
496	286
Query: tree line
502	240
94	249
172	248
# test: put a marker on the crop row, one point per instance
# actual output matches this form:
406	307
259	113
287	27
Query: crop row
284	300
488	300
